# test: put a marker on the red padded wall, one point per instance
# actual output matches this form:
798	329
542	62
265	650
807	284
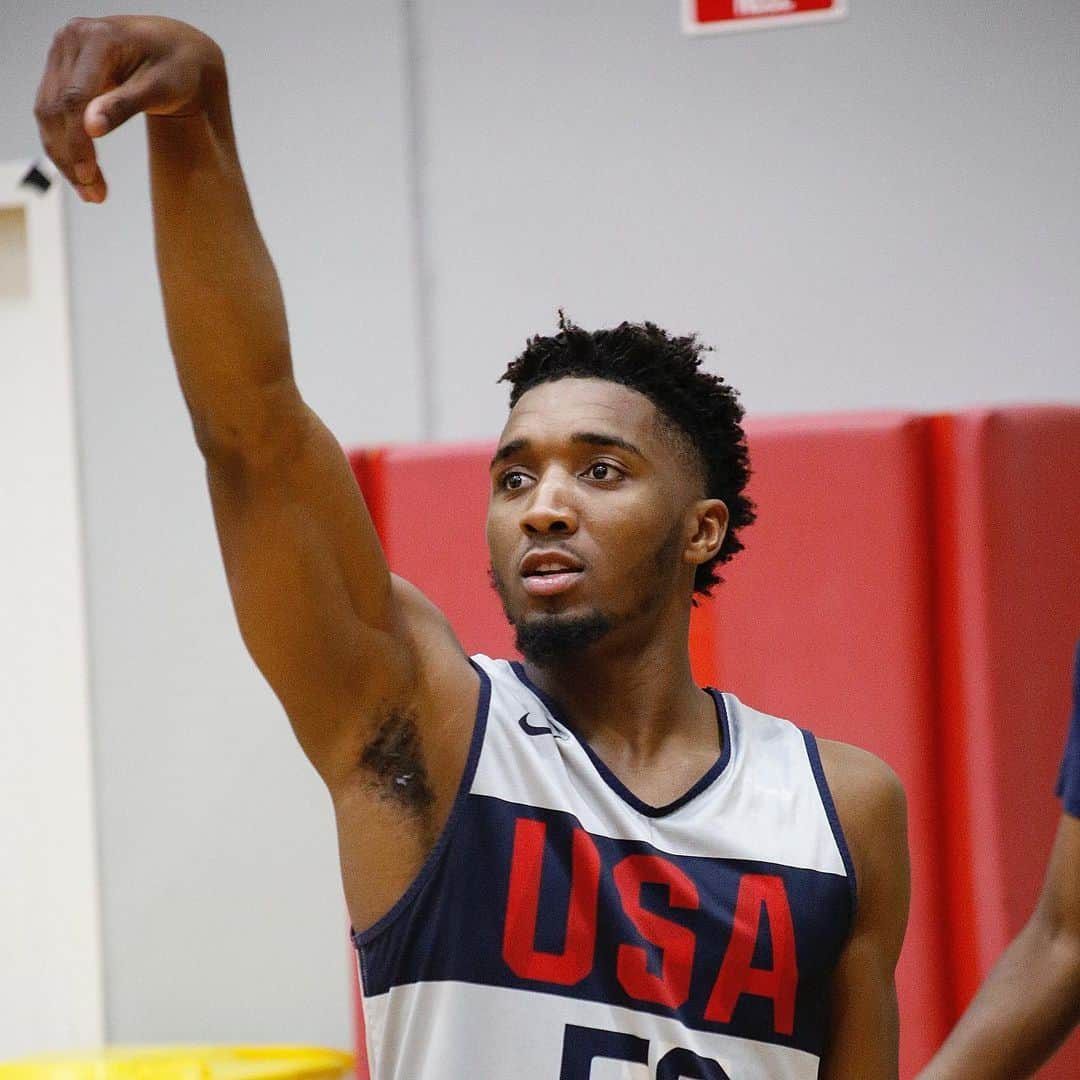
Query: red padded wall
827	618
431	505
1009	507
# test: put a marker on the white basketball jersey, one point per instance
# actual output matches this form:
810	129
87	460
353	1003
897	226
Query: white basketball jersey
562	929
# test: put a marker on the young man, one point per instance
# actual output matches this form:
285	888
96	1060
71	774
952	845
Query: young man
1031	999
585	858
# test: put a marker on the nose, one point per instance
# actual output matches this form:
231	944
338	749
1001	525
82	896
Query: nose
550	510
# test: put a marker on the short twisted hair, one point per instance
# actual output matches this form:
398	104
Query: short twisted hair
702	408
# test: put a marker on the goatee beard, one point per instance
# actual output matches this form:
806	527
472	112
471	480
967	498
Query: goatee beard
550	639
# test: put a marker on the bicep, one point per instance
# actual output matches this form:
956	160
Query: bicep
864	1026
865	1023
310	585
379	692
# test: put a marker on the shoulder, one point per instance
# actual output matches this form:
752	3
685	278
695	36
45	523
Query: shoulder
862	785
431	637
447	689
872	808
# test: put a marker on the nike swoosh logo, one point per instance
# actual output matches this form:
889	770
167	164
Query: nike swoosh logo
534	729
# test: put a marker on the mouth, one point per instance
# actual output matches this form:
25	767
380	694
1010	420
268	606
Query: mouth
550	583
548	573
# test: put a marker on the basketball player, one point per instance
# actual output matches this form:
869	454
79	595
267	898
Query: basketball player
580	866
1031	999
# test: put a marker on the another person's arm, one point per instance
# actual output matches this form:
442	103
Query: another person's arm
355	656
864	1029
1031	999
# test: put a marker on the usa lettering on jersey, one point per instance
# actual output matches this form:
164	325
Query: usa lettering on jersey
698	944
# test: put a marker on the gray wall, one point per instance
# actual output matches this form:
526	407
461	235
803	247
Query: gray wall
223	916
880	211
875	212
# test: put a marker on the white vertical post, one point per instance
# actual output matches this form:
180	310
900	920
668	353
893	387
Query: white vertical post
51	980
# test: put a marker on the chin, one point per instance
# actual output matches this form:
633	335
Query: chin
544	636
553	638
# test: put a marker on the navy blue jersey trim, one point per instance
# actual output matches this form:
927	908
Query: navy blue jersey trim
612	780
834	818
365	937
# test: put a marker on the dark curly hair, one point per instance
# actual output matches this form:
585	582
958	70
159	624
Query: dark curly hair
700	406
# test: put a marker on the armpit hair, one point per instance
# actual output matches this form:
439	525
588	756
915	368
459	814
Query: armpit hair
396	762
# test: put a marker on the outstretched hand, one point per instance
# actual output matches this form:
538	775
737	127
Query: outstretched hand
101	72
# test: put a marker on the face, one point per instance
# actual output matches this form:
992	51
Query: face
597	518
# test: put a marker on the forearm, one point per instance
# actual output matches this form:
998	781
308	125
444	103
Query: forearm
223	302
1028	1004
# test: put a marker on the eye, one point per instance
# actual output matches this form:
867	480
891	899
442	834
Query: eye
602	470
512	480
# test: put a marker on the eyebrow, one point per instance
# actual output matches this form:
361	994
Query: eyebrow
587	438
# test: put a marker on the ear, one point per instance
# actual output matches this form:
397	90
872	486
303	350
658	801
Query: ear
707	526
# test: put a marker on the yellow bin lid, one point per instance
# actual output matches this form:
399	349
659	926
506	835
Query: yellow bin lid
185	1063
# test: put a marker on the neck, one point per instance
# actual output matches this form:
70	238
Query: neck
633	700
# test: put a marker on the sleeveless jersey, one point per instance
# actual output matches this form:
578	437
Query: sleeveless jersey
562	929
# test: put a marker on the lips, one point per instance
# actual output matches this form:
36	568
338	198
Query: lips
549	561
546	573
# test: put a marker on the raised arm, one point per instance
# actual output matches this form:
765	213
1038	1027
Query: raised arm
1031	999
349	651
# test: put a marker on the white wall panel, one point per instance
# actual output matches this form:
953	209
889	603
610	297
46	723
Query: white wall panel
222	910
51	990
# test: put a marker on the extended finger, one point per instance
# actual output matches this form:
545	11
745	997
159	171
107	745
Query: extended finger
47	109
94	70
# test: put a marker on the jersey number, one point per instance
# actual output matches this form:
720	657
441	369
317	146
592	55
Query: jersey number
582	1046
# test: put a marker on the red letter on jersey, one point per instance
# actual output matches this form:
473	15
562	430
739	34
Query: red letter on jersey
736	976
672	986
519	934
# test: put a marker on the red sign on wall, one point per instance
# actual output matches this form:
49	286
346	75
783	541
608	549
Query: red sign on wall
713	16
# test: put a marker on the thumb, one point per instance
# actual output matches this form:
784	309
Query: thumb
138	94
108	111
